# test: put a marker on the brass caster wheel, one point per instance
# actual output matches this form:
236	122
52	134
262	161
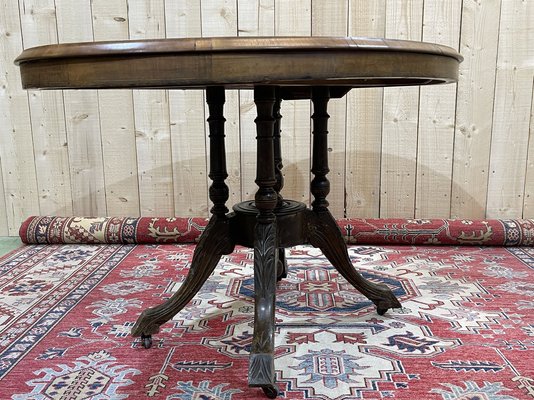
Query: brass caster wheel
146	340
271	391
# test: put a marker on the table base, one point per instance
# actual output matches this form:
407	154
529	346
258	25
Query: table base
295	224
269	224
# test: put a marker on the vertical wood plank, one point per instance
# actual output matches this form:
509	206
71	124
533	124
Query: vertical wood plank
39	27
511	115
331	19
528	204
188	136
4	228
219	18
474	109
437	109
82	119
110	22
400	120
293	18
152	123
364	122
256	18
16	150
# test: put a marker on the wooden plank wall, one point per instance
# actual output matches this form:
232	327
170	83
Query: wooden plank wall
461	151
435	139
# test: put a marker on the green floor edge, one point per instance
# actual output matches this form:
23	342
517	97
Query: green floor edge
8	244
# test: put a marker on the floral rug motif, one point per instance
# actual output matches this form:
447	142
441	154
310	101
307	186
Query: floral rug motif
465	331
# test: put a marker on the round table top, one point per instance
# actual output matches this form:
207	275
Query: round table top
238	62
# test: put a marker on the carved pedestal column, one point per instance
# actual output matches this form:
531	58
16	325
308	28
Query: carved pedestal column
261	368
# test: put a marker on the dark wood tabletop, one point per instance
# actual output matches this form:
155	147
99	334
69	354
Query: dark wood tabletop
238	62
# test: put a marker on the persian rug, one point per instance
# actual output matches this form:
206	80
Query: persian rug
491	232
465	331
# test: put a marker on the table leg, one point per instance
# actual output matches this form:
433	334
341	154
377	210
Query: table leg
281	266
324	234
323	231
215	242
261	367
281	270
216	239
277	148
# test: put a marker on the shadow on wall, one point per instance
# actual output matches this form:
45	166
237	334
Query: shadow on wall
398	187
394	191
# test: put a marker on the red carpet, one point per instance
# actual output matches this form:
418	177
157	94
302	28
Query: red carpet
466	329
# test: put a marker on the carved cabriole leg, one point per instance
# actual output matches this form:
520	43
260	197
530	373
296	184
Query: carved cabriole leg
216	239
261	368
281	270
215	242
323	231
324	234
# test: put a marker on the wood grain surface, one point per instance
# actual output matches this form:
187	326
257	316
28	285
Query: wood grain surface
238	63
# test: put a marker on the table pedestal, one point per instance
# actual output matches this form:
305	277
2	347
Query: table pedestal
268	224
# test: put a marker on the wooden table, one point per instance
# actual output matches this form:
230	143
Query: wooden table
276	69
